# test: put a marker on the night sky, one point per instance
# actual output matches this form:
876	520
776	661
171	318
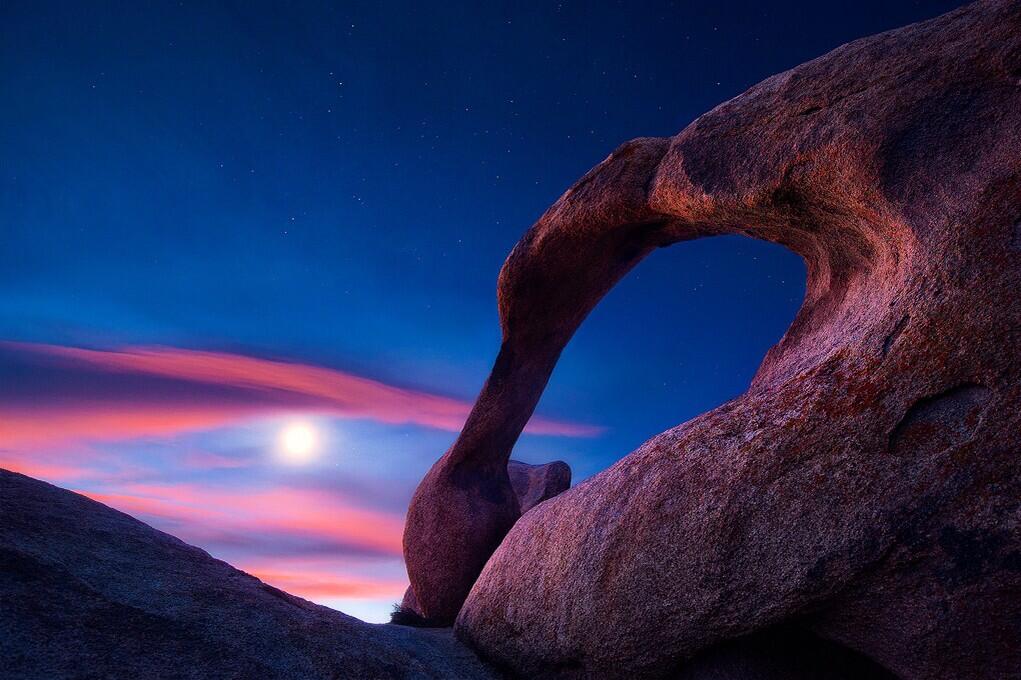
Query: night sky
222	220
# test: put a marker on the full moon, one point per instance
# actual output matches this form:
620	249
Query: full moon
298	444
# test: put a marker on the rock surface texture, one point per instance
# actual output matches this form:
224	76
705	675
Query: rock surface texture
88	592
534	484
866	487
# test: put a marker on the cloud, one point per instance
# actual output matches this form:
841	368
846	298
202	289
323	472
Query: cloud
62	422
67	393
272	521
43	470
318	581
205	460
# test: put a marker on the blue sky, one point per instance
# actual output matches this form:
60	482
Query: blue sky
335	185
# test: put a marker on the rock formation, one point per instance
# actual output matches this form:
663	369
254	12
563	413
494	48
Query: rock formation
531	485
866	486
781	653
86	591
534	484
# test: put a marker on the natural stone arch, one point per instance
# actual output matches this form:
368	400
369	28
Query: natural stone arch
593	236
800	497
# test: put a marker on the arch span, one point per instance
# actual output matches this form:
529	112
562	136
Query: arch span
630	204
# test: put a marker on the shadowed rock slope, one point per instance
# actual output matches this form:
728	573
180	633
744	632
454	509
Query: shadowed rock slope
866	485
89	592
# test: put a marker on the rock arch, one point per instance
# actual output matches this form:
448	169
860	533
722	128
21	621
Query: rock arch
890	166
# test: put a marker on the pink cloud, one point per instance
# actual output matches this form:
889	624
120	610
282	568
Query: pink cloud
323	580
36	426
263	385
308	541
202	514
43	470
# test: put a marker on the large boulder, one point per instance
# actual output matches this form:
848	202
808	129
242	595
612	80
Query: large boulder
89	592
866	487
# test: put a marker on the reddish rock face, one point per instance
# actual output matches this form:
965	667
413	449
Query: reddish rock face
531	485
866	486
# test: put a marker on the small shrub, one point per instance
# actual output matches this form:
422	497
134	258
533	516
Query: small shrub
403	616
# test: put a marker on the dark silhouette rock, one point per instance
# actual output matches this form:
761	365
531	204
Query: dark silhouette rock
534	484
784	653
867	482
89	592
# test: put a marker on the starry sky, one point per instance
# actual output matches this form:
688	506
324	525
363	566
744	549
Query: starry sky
222	219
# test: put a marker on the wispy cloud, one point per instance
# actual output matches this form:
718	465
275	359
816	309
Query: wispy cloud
205	460
269	521
158	391
322	581
42	470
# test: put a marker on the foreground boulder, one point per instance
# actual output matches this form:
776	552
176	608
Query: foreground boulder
866	487
86	591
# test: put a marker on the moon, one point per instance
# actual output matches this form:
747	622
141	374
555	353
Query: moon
298	443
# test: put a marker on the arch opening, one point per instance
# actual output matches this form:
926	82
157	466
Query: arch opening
682	333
